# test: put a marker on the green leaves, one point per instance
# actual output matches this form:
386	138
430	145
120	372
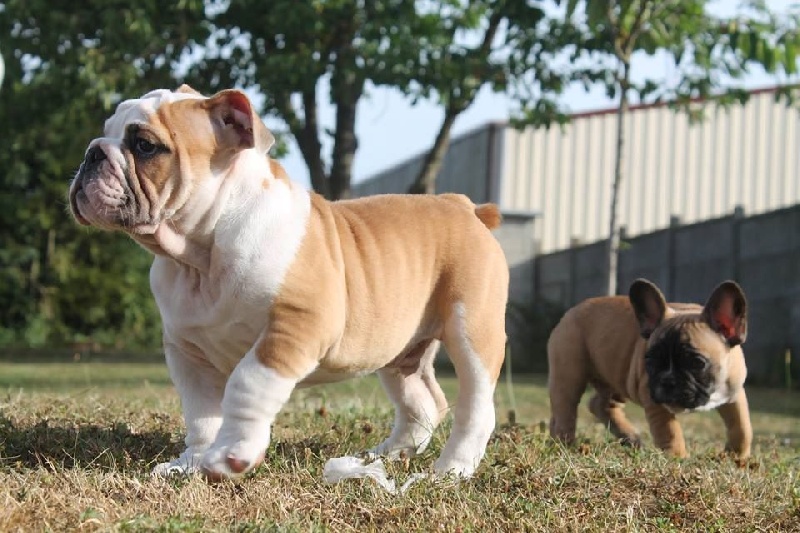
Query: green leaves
67	65
706	51
444	50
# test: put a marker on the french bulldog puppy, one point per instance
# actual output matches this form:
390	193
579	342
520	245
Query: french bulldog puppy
264	286
668	358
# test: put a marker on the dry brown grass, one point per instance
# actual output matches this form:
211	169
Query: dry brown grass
77	442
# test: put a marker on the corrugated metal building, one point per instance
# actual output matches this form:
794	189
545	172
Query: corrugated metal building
744	156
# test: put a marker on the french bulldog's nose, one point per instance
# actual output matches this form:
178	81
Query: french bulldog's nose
94	155
668	381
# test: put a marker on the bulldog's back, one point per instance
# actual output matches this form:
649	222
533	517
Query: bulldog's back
385	272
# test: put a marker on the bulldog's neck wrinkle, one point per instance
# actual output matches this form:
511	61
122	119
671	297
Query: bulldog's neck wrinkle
235	190
189	237
183	249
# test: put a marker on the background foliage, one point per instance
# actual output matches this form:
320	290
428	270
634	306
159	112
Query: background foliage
68	64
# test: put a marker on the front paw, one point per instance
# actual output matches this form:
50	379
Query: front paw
187	464
228	461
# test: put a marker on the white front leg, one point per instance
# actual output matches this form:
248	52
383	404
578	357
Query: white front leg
253	397
200	387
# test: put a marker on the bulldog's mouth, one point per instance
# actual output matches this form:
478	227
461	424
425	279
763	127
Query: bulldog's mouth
106	202
76	197
678	399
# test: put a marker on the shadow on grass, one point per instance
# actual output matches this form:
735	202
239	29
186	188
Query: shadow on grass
83	446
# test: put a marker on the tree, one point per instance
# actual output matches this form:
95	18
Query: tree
67	65
705	50
412	46
505	53
288	48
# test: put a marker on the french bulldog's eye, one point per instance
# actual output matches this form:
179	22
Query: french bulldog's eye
144	147
699	363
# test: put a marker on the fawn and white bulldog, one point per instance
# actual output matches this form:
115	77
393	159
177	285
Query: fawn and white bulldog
264	286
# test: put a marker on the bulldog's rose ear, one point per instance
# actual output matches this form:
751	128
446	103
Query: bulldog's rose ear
726	312
649	306
186	89
237	124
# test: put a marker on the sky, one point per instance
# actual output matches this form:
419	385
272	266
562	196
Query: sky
390	130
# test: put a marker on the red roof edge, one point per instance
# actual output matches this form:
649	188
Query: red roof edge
612	110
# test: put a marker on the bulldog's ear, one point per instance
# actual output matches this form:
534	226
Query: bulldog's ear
726	312
186	89
649	306
237	124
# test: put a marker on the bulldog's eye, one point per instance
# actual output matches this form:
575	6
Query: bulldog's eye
698	362
144	147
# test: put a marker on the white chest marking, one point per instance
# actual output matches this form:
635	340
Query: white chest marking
221	314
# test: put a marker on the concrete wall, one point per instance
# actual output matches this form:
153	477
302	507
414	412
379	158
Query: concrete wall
761	252
515	237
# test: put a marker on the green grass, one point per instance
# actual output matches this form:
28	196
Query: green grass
77	442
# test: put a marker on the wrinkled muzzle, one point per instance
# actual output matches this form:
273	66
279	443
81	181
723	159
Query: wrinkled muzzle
100	194
678	390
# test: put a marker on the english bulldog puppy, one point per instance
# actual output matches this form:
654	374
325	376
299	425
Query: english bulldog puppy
264	286
669	358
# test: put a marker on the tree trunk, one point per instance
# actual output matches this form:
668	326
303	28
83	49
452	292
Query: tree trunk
345	144
425	182
613	226
347	86
310	146
306	133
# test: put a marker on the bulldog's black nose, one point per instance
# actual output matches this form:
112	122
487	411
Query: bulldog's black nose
94	156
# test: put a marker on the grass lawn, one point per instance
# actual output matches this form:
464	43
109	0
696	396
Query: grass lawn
77	442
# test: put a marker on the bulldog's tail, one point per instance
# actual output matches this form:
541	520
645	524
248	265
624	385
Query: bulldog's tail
489	214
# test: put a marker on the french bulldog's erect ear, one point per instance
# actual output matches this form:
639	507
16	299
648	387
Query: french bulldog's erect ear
726	312
648	304
238	124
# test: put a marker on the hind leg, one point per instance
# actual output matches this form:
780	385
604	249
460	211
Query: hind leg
476	348
610	411
419	404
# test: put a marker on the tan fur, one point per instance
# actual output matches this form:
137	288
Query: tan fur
389	268
185	88
597	342
278	172
489	215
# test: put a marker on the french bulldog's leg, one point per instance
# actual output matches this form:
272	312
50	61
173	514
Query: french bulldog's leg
200	387
473	351
567	379
255	393
566	383
736	416
665	429
611	413
419	404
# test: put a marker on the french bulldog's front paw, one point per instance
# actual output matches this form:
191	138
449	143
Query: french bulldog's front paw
633	441
231	461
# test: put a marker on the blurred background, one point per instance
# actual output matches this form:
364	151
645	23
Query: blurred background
621	139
